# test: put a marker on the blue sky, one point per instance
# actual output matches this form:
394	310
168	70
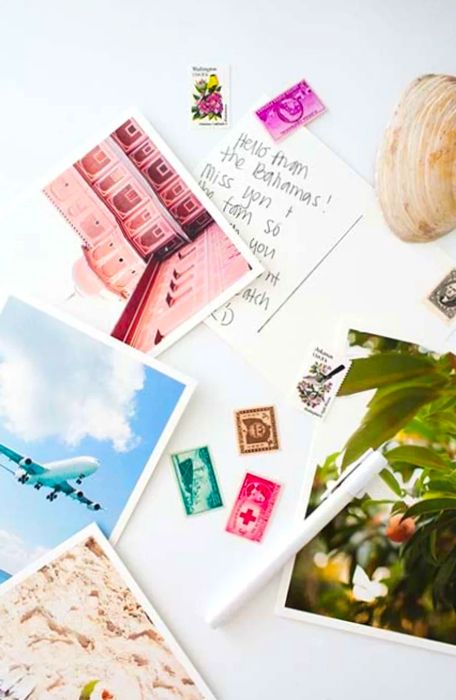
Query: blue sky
64	394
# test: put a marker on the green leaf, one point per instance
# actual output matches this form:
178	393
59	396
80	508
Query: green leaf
418	456
431	505
391	481
383	369
87	690
196	97
384	418
444	579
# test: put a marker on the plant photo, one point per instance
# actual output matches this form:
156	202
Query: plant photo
388	560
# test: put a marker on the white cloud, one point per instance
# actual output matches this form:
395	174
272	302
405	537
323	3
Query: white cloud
15	554
56	382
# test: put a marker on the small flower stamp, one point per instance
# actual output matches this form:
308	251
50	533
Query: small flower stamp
210	96
320	381
257	430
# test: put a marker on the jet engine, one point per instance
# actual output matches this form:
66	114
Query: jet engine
94	506
25	462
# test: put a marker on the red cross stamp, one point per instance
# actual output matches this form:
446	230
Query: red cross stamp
257	430
253	507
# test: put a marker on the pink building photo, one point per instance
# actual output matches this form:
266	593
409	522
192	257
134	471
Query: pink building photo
145	236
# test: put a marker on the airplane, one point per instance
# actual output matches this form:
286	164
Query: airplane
54	475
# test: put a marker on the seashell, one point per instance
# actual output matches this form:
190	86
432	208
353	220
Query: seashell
416	164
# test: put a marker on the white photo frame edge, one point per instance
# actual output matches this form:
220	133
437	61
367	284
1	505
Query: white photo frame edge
94	531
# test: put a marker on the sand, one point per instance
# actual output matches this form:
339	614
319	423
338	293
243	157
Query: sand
75	620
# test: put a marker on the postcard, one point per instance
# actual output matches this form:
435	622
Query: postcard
386	565
122	238
310	220
76	625
83	422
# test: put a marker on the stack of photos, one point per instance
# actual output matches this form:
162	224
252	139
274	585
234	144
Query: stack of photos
75	626
83	422
124	239
386	565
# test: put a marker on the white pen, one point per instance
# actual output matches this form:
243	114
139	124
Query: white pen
351	484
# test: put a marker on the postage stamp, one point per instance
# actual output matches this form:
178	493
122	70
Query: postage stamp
443	297
197	481
294	107
319	382
253	507
210	95
257	430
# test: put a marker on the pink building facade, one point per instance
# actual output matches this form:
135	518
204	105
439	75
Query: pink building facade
145	236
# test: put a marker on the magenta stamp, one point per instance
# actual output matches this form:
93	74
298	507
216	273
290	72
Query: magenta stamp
294	107
253	507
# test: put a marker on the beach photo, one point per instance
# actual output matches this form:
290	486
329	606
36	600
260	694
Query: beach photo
83	422
386	564
77	627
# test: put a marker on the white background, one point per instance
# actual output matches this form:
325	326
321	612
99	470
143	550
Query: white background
65	68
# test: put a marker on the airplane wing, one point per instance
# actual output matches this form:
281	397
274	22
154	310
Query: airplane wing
68	490
32	468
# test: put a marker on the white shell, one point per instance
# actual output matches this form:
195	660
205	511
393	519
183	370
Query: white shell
416	164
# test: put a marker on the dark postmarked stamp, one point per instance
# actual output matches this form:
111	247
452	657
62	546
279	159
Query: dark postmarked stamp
257	430
443	297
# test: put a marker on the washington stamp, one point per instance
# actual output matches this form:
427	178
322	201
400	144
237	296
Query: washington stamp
197	481
257	430
443	297
253	507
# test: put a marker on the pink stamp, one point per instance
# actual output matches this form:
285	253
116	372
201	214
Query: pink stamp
253	507
293	108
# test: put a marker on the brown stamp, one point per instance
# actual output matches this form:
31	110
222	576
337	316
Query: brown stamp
257	430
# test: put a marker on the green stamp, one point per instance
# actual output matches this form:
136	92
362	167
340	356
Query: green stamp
197	481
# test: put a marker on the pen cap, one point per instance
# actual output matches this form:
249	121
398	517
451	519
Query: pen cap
369	467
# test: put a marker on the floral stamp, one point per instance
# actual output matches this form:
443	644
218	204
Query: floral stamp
257	430
443	296
320	381
210	96
253	507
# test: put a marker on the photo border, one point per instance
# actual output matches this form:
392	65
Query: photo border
280	607
99	135
141	357
94	531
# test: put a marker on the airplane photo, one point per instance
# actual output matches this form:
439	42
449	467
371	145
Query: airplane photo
54	475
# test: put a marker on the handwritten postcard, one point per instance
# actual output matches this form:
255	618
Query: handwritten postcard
122	238
81	430
310	219
76	625
210	95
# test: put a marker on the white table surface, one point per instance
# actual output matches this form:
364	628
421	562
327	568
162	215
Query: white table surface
67	67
